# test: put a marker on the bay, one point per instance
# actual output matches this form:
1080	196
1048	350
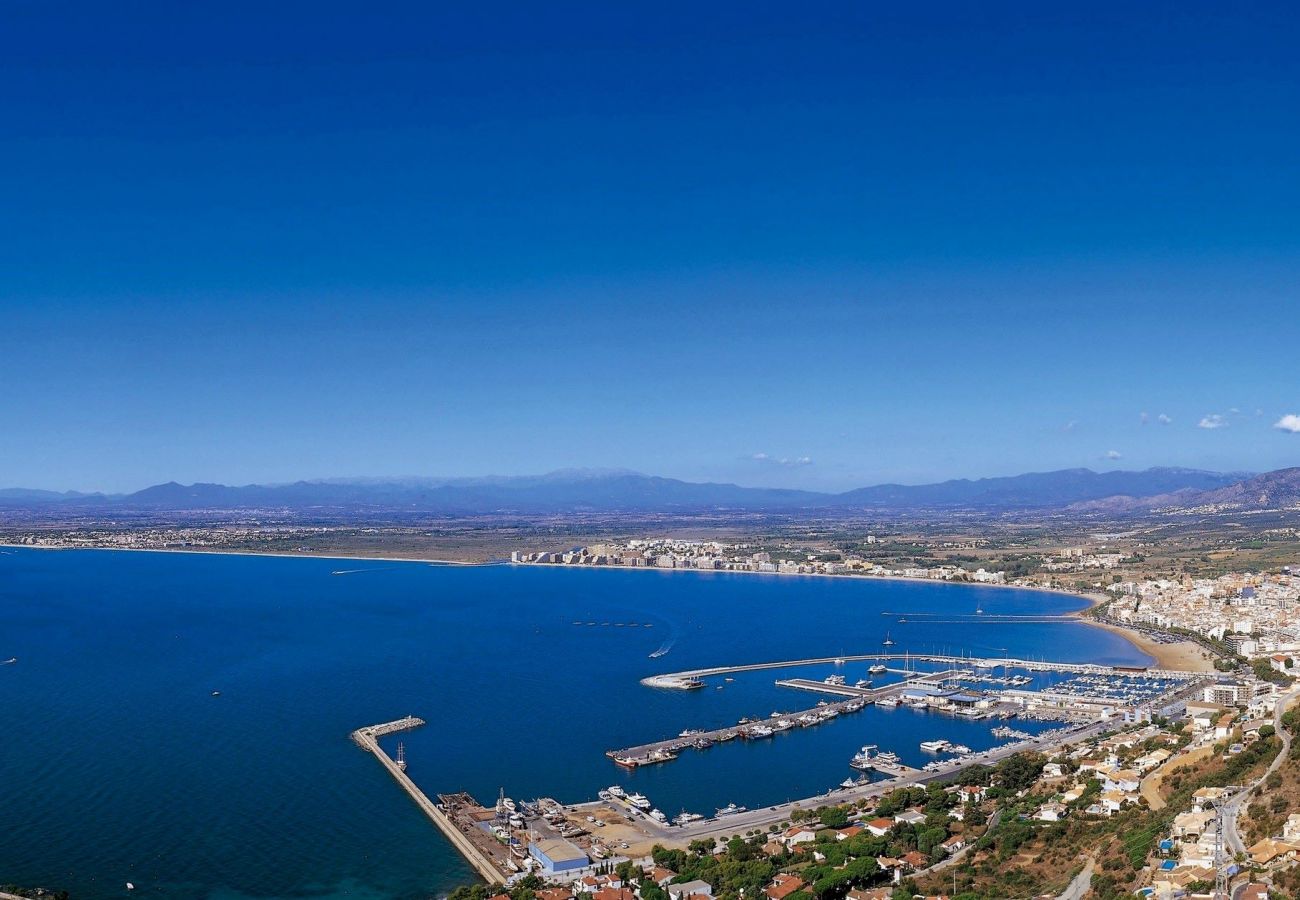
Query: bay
119	765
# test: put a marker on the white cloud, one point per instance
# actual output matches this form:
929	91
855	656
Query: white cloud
1114	454
1068	426
1164	419
1290	422
1143	418
1214	420
788	462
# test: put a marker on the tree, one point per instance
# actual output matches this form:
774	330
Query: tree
834	817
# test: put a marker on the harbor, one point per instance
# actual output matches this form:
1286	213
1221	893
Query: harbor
502	841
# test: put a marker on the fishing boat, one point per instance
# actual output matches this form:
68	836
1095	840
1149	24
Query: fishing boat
864	759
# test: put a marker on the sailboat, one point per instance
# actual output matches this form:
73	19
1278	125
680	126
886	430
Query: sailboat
401	756
888	641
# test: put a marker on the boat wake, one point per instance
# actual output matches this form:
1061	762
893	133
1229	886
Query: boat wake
663	648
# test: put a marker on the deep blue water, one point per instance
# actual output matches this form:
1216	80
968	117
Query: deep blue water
118	765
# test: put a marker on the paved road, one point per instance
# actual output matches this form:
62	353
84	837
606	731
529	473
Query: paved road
1232	809
1079	886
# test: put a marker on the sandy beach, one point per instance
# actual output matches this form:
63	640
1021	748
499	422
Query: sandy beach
1187	656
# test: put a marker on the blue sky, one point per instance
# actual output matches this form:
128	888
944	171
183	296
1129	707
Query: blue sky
857	244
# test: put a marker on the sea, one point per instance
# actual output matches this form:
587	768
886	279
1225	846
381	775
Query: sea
118	764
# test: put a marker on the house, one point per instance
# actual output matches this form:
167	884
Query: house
1051	812
1150	760
555	893
783	885
1291	830
915	860
1270	849
1205	797
910	817
891	866
614	894
880	827
843	834
1253	891
1073	794
661	876
953	844
971	793
872	894
798	834
1125	781
1189	826
698	889
1203	715
1279	662
1113	801
1053	770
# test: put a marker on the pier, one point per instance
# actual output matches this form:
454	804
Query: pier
479	858
684	679
667	750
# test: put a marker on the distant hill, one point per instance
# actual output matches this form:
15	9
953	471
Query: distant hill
33	495
1272	490
620	490
568	491
1036	489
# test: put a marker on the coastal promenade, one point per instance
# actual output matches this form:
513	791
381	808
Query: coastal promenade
367	739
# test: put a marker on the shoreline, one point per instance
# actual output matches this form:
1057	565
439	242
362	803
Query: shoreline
1183	655
281	554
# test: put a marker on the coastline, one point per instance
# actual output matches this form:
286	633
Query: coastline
1184	655
1188	656
200	551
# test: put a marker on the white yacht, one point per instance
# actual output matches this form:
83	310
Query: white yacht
639	801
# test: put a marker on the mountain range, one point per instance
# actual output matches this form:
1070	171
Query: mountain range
619	490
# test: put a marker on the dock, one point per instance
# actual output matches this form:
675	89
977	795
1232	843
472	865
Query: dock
367	739
667	750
